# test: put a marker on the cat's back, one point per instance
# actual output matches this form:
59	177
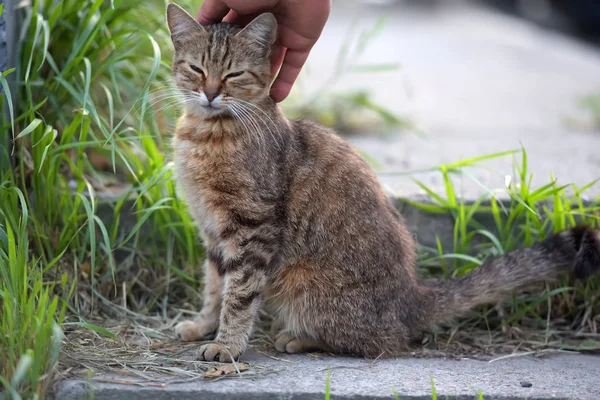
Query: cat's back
335	199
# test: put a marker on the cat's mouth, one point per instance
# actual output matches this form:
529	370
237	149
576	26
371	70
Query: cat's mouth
206	110
211	109
211	106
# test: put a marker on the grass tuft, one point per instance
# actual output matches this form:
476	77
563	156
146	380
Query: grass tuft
560	316
84	159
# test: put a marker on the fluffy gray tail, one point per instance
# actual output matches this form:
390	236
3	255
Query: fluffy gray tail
576	251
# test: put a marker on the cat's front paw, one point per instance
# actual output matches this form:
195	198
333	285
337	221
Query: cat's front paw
218	352
192	331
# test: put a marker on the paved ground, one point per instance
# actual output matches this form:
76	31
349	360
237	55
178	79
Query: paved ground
476	82
301	377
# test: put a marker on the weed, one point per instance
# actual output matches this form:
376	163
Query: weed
85	71
30	314
523	215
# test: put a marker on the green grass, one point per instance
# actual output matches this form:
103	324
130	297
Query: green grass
31	314
522	215
84	75
93	117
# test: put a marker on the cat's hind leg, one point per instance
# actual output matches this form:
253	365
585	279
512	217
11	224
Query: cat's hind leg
285	342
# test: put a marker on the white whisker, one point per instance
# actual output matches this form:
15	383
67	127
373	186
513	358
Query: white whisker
243	113
244	105
268	117
236	111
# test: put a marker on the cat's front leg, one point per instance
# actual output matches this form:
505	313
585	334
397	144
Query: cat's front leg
242	299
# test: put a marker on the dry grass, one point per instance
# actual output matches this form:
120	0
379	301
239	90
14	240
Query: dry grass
144	351
137	349
142	355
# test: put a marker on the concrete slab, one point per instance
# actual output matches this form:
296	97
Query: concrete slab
476	82
301	377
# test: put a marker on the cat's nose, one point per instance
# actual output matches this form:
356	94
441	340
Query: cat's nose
211	93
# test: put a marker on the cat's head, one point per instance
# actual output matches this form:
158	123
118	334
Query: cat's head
217	66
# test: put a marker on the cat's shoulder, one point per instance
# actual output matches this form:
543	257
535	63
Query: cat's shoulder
315	138
314	132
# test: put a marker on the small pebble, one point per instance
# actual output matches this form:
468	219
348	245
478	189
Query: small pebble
526	384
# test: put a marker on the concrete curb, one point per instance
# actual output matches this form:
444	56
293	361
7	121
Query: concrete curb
302	377
426	226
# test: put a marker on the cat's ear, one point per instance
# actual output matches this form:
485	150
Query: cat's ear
181	24
262	29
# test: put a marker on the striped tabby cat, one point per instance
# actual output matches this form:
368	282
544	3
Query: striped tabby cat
291	213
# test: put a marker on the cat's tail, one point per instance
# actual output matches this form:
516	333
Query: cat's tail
576	251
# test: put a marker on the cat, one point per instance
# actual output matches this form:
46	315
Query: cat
290	213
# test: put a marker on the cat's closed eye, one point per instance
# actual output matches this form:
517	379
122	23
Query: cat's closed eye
197	69
234	74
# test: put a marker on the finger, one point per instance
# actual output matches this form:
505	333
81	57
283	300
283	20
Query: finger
232	17
239	19
277	55
290	69
212	11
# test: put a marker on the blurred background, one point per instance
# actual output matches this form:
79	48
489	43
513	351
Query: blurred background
578	16
468	78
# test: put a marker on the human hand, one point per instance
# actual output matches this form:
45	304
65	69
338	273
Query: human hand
300	23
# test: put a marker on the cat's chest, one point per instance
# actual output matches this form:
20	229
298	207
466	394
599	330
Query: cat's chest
210	180
199	168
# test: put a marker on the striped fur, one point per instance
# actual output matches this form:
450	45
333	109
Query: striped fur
291	214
